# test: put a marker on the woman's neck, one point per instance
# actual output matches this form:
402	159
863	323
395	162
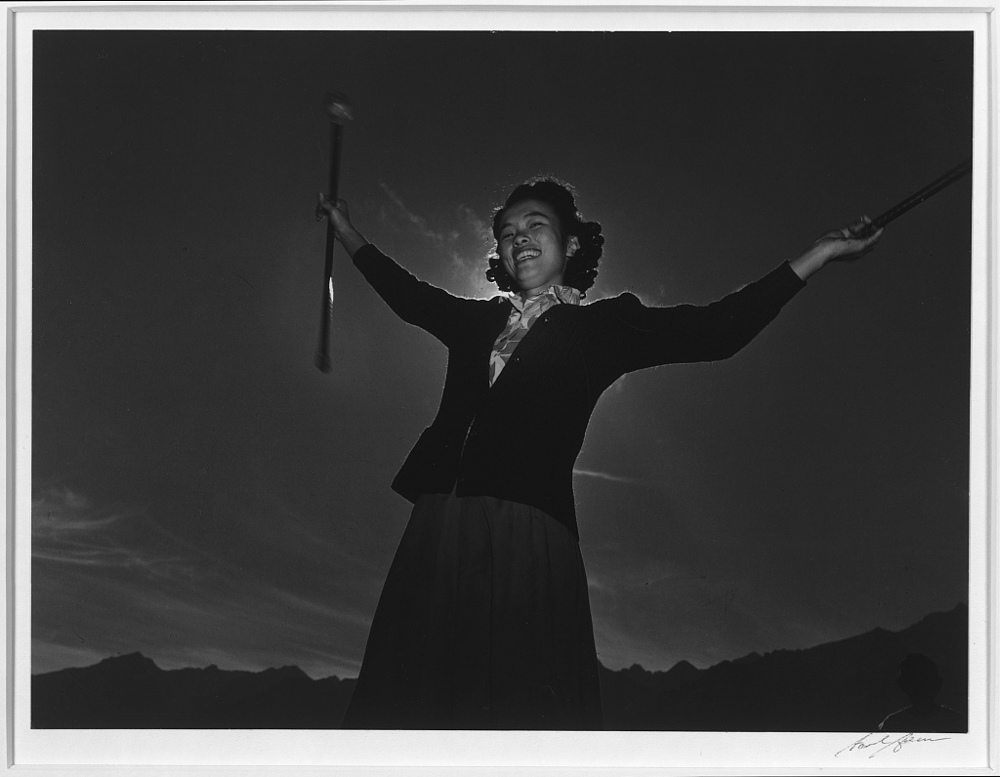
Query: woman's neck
528	294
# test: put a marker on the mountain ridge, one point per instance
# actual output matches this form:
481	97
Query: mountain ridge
844	685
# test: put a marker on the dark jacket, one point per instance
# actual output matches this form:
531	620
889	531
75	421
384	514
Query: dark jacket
518	440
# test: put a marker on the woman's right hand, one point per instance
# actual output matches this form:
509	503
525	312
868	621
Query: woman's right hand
335	211
339	216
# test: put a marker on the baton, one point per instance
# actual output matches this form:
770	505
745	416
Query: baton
916	198
338	109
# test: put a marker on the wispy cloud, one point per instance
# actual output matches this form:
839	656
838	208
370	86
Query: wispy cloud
235	623
478	226
641	574
590	473
302	534
288	601
67	529
136	586
597	585
418	221
49	656
467	247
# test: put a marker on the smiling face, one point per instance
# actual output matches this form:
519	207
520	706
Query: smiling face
532	247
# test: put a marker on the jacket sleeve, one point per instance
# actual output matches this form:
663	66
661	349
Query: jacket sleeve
416	302
649	336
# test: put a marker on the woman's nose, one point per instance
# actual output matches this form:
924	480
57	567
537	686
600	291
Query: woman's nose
520	239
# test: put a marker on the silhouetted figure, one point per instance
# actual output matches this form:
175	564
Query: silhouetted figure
919	679
484	620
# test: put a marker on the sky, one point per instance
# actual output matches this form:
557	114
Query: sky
201	493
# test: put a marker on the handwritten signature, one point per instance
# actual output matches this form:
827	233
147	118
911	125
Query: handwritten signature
892	742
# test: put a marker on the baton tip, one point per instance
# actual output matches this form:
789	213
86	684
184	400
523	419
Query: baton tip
323	362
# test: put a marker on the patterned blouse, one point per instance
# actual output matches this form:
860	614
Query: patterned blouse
522	316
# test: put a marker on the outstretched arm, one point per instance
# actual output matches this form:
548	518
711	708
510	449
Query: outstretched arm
416	302
649	336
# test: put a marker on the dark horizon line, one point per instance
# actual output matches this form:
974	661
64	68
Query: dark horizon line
751	655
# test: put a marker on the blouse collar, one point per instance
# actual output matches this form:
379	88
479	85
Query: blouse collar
567	295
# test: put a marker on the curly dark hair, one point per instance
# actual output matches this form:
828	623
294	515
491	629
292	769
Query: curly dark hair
582	267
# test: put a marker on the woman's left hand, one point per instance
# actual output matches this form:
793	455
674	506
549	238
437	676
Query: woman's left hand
848	243
845	244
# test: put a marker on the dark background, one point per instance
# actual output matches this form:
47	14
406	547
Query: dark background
202	494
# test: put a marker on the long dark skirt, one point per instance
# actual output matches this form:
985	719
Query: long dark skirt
483	623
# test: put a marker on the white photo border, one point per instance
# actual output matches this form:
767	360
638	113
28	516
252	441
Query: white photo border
620	753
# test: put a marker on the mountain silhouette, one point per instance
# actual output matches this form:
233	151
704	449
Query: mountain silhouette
131	691
847	685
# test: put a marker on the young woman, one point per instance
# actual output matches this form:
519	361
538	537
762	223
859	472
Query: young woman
484	620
